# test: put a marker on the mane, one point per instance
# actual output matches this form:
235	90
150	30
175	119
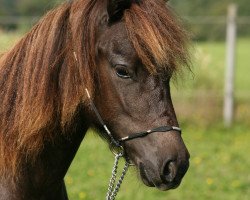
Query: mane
157	37
42	87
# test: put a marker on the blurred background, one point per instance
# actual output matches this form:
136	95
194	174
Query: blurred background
212	103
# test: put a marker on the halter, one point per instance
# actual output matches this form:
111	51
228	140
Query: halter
119	143
116	146
112	189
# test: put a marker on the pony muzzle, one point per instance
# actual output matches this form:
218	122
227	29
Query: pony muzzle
169	176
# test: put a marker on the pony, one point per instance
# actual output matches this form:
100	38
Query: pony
126	53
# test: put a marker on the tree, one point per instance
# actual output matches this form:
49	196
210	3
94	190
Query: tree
8	7
35	7
204	8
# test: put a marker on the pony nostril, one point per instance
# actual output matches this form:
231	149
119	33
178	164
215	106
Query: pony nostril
169	171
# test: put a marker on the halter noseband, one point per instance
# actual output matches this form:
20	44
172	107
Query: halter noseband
145	133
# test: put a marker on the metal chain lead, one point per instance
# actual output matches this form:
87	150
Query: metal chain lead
112	189
119	183
113	177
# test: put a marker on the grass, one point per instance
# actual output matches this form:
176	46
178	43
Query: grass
199	96
219	169
220	160
7	40
210	65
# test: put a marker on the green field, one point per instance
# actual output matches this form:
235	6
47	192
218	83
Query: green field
220	161
198	96
219	170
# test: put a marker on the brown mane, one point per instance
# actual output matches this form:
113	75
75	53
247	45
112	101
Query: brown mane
159	41
41	85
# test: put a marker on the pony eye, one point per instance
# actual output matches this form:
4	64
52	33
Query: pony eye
122	72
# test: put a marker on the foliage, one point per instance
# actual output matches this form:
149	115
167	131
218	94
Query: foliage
26	7
202	8
213	8
8	7
34	8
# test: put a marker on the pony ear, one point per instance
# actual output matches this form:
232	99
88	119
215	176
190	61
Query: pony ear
116	9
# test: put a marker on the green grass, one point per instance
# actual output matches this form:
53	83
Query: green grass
210	64
243	62
198	96
219	169
7	40
220	161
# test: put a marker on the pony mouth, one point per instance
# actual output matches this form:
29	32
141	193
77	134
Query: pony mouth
152	181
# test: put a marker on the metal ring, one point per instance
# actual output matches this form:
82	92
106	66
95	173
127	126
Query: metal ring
119	150
116	150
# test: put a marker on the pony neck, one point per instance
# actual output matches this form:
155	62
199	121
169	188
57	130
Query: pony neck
43	179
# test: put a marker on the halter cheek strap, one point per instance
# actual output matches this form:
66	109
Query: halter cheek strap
113	141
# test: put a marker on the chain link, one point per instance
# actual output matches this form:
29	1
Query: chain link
119	183
114	189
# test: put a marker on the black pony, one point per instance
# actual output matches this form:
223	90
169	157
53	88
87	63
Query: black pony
124	53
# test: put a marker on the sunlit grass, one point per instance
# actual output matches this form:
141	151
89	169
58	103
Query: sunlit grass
219	169
198	96
7	40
